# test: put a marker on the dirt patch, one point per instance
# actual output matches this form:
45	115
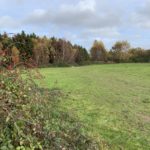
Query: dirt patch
145	118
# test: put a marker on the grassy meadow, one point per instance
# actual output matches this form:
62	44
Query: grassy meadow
112	101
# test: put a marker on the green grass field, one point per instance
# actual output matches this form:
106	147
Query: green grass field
112	101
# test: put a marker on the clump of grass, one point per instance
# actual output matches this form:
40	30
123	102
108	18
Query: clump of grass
146	100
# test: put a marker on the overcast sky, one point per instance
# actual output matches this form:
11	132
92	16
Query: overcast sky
80	21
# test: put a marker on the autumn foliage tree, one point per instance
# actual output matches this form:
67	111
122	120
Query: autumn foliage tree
98	51
119	51
139	55
15	55
43	51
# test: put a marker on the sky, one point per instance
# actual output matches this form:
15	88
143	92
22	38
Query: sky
80	21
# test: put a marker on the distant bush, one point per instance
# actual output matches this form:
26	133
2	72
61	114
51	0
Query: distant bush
30	117
122	52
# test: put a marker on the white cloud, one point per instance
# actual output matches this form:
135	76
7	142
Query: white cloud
82	5
79	20
7	21
101	33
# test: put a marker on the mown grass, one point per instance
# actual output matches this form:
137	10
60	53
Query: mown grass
112	101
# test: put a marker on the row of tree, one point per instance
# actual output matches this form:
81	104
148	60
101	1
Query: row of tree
44	51
120	52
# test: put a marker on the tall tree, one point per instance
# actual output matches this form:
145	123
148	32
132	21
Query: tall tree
41	51
24	43
81	54
98	51
120	51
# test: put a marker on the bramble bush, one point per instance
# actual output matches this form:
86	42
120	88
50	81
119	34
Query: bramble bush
30	117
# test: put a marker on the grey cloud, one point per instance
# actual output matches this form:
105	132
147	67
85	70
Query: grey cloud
144	10
86	19
83	14
141	17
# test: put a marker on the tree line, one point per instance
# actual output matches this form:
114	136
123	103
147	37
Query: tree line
44	51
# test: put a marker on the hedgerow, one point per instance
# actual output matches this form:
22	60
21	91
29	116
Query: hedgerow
30	117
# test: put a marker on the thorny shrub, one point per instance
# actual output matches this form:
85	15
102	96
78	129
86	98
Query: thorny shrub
30	118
